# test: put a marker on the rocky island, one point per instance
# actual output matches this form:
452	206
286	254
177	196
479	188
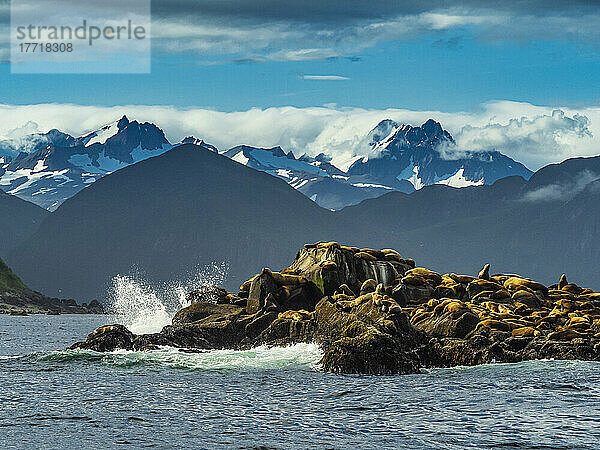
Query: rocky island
375	312
17	299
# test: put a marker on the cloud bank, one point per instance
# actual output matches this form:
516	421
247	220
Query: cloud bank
564	191
530	139
263	30
534	135
281	30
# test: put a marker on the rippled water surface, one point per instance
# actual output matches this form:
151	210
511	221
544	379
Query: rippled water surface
276	398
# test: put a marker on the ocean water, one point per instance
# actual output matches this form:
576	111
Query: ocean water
274	398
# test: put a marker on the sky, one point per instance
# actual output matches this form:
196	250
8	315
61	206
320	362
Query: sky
521	76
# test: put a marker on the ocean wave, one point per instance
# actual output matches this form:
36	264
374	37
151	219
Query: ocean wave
301	356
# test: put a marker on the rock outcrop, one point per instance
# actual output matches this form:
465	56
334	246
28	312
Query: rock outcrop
17	299
373	311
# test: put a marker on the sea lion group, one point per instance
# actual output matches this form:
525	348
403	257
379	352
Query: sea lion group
373	311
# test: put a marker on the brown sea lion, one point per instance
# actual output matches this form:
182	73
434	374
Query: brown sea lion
485	273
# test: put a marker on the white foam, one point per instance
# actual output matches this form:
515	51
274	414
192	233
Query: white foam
258	358
146	308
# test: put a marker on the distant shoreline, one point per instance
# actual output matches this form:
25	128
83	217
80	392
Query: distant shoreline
28	303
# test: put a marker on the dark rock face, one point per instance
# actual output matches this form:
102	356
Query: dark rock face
372	311
107	338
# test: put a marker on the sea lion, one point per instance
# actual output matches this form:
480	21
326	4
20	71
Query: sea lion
563	281
287	280
525	332
366	256
344	289
315	245
485	273
326	245
517	283
395	309
426	274
369	285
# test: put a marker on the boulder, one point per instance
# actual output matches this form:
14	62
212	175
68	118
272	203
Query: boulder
107	339
199	311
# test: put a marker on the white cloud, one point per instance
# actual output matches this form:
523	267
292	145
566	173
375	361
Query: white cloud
564	191
527	139
325	77
292	39
267	30
529	133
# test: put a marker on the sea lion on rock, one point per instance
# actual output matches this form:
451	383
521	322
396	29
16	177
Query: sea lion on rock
414	280
573	289
485	273
516	283
462	279
483	296
287	280
563	281
566	335
502	294
344	289
494	325
396	309
525	332
366	256
315	245
377	254
427	274
368	286
478	285
527	298
328	245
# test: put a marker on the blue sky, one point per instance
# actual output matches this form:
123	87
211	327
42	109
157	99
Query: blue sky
449	72
453	56
519	77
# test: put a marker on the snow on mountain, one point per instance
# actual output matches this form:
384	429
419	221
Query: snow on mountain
315	177
101	136
48	168
52	167
403	153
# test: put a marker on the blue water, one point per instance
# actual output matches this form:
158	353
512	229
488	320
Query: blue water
276	398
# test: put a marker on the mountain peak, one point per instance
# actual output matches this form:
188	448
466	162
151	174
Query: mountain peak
123	122
432	128
380	132
192	140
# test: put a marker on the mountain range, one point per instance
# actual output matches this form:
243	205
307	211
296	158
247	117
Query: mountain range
49	168
217	210
58	165
427	155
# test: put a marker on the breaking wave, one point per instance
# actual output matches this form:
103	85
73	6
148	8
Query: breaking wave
303	356
146	308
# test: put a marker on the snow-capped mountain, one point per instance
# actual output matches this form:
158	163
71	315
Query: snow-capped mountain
315	177
49	168
58	165
427	155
